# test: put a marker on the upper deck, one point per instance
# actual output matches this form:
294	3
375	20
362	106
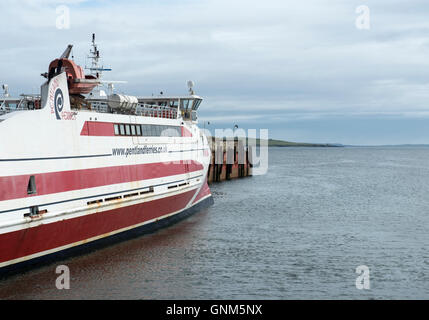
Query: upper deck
173	107
85	93
24	102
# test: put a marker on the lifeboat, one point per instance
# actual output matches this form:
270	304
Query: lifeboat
78	82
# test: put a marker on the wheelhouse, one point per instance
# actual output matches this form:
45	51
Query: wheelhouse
186	106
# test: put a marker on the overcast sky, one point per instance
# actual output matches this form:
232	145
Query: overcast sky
301	69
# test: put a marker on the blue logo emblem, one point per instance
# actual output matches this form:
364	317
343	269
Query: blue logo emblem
58	103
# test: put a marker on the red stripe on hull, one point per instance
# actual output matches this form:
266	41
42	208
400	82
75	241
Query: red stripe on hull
205	191
22	243
107	129
15	187
98	129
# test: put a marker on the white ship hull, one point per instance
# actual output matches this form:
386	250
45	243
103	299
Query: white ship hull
68	179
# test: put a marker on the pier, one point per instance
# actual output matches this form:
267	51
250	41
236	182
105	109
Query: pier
230	159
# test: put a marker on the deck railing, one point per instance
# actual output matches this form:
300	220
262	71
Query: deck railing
19	105
143	110
156	111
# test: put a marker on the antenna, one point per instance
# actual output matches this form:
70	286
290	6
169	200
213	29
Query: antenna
95	69
5	88
191	85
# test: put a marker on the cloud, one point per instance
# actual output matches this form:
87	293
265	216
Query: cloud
258	57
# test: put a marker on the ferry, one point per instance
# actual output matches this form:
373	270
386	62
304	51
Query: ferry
81	167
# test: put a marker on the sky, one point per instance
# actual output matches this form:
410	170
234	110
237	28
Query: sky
304	70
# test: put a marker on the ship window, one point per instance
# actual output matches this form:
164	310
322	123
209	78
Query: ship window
127	129
185	104
196	104
178	132
116	129
152	130
164	132
174	103
31	188
191	103
171	131
133	130
122	127
145	130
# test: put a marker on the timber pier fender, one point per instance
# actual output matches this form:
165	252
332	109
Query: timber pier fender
229	160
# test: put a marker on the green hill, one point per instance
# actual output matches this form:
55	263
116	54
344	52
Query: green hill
281	143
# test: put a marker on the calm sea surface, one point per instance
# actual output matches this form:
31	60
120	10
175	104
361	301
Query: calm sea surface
298	232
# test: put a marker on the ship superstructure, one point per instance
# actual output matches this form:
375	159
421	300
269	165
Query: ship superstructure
78	168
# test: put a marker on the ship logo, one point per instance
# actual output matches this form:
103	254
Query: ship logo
58	103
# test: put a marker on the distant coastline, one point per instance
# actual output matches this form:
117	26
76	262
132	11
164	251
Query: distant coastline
285	144
389	146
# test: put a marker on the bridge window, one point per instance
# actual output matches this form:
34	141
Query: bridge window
185	104
197	104
174	103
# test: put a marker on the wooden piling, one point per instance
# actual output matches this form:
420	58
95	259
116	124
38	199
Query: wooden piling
230	160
